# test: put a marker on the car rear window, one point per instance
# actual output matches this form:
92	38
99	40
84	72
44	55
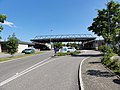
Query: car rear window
69	48
28	49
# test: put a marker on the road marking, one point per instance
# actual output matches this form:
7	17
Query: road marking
80	74
26	71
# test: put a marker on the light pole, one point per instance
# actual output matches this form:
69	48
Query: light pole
50	39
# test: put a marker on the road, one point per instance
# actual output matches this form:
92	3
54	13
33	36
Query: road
40	72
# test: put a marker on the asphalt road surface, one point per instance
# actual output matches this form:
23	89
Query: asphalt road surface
40	72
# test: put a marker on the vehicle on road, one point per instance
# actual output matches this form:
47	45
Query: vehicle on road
68	49
28	51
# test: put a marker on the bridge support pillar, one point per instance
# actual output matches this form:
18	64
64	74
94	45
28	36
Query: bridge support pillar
82	45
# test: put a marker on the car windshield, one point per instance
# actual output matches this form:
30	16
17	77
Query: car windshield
28	49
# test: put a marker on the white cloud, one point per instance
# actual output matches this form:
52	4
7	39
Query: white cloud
10	24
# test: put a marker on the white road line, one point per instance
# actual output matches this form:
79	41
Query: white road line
80	74
26	71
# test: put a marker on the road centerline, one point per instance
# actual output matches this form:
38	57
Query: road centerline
26	71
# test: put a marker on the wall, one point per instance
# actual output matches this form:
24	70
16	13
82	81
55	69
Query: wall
48	45
21	47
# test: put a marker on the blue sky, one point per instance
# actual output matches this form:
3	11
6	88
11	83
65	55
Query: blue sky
30	18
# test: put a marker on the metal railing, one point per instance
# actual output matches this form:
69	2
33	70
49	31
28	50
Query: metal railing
64	36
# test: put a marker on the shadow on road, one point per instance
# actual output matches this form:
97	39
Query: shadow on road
88	55
117	81
99	73
94	62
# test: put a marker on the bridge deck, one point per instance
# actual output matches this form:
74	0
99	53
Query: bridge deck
63	38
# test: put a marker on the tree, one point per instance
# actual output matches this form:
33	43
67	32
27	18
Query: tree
58	44
2	19
106	24
12	44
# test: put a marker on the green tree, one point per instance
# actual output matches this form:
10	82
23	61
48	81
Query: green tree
73	45
58	44
12	44
2	19
106	24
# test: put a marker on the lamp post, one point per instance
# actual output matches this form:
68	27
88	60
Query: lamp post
50	39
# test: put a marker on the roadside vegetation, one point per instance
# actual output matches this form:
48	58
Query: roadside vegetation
60	45
12	44
2	19
68	53
107	25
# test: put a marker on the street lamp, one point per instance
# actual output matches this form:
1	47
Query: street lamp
50	39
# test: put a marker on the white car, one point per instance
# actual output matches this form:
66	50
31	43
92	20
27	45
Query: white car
68	49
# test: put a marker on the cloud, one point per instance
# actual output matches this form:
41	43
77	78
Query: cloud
10	24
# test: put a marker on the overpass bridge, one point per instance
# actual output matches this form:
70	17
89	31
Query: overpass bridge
63	38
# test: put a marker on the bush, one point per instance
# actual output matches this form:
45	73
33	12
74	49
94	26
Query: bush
68	53
61	54
102	48
108	61
112	64
75	53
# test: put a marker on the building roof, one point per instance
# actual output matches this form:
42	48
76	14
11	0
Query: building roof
26	43
20	42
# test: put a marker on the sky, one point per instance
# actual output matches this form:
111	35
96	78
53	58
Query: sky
30	18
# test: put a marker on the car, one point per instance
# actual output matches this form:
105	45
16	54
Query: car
68	49
71	49
28	51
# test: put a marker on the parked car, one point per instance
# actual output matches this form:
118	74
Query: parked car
68	49
28	51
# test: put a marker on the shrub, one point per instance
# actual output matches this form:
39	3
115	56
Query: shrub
61	54
112	64
76	52
102	48
68	53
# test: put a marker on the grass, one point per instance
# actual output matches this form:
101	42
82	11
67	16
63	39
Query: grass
20	56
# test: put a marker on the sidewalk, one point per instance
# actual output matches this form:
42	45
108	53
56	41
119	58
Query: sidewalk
96	77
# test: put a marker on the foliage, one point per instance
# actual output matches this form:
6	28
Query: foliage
75	53
58	44
68	53
106	24
73	45
112	64
2	19
12	44
61	54
102	48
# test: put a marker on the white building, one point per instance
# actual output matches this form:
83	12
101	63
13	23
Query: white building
21	46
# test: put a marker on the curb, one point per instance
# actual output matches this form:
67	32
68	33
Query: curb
80	82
